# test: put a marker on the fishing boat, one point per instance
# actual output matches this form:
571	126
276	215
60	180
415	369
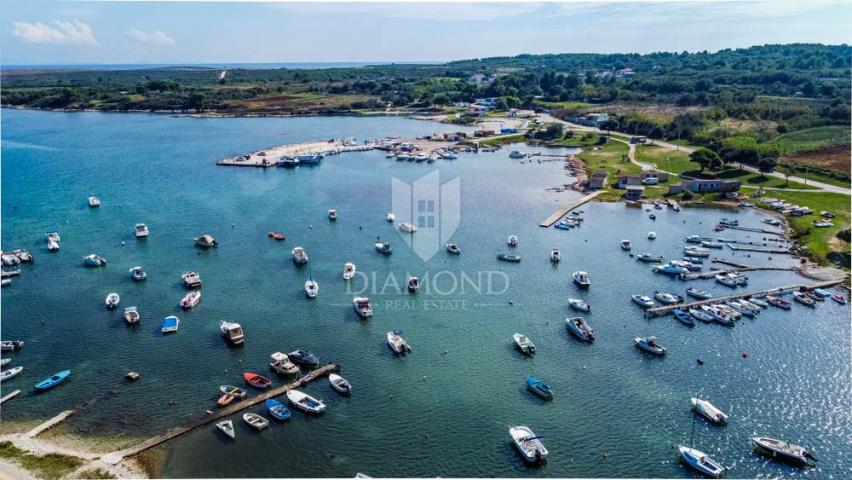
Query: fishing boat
581	279
255	420
453	249
669	269
564	225
190	300
131	315
512	240
784	451
93	260
708	410
7	374
643	301
508	257
668	298
311	288
141	230
683	317
383	247
112	300
170	324
516	154
348	270
413	284
839	298
233	332
362	306
625	245
276	235
701	462
729	223
52	239
539	388
52	381
804	299
300	256
304	357
339	383
282	365
821	293
652	235
278	410
698	293
390	217
398	344
229	394
726	280
206	241
256	380
528	443
226	427
648	258
305	402
650	345
578	304
555	256
191	279
701	315
720	316
523	344
138	274
332	214
778	302
11	345
580	329
94	201
407	227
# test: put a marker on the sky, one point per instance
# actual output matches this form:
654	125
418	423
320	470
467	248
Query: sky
43	32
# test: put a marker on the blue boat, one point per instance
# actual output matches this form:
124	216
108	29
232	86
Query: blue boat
683	317
539	388
170	324
563	225
277	409
52	381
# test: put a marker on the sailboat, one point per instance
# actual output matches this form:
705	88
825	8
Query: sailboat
698	460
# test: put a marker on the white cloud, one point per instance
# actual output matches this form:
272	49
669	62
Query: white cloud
154	38
74	32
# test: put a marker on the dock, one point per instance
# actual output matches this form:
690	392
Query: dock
712	273
268	157
756	230
10	396
50	423
117	456
665	309
738	248
553	218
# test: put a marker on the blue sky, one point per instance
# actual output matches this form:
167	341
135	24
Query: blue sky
91	31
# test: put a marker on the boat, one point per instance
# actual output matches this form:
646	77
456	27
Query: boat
229	394
683	317
300	256
759	302
282	365
112	300
726	280
332	214
581	279
528	443
785	451
694	239
709	244
701	315
643	301
804	299
523	344
580	329
7	374
304	357
398	344
226	427
22	255
564	225
812	295
720	316
696	251
311	288
625	245
648	258
141	230
288	161
191	279
131	315
138	274
652	235
821	293
539	388
555	256
701	462
453	249
698	293
668	298
276	235
839	298
362	306
512	240
750	305
650	345
652	216
669	269
11	345
407	227
516	154
305	402
170	324
578	304
10	260
507	257
5	361
778	302
206	241
53	239
190	300
708	410
390	217
93	260
348	270
256	380
278	410
413	284
52	381
339	383
5	282
729	223
233	332
94	201
771	221
383	247
255	420
309	158
739	308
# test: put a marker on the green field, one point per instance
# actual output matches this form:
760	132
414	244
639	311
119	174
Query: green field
812	139
666	159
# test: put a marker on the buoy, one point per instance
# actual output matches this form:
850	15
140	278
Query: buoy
511	302
122	244
745	354
700	361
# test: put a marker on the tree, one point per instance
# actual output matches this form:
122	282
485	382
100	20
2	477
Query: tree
553	131
195	101
706	158
766	165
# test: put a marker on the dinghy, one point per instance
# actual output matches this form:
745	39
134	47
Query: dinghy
131	315
94	202
305	402
804	299
278	410
138	274
190	300
539	388
708	410
276	235
650	345
683	317
255	420
226	427
362	306
453	249
52	381
229	394
7	374
383	247
339	383
625	245
523	344
282	365
398	344
580	329
348	270
528	444
170	324
300	256
257	381
112	300
578	304
701	462
555	256
784	451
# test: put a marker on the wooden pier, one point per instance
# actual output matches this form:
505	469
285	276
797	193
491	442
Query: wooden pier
782	251
712	273
117	456
665	309
549	221
756	230
10	396
50	423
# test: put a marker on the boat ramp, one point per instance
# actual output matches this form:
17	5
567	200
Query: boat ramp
553	218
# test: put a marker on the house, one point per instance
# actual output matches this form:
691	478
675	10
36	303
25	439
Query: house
705	186
598	180
480	79
489	102
634	192
624	73
455	136
483	133
460	104
625	181
591	119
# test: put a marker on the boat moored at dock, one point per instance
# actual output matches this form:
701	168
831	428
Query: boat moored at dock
257	380
643	301
339	384
305	402
304	357
226	427
282	365
278	410
255	420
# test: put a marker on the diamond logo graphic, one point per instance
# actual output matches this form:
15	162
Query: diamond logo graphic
432	209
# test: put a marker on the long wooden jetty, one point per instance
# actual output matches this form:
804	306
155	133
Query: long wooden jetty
117	456
50	423
553	218
752	229
712	273
782	251
10	396
657	311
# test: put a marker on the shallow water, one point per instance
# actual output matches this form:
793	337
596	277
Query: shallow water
442	411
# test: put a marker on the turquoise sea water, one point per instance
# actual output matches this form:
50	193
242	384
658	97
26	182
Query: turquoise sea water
442	411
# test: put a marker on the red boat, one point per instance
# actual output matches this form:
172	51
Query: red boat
277	236
719	228
257	381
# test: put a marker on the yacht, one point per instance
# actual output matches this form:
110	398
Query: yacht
555	256
453	249
348	270
362	307
311	288
643	301
138	274
726	280
668	298
282	365
625	245
112	300
413	284
131	315
390	217
398	344
191	279
580	329
383	247
781	450
528	443
190	300
512	240
94	201
407	227
581	279
52	241
233	332
332	214
141	230
300	256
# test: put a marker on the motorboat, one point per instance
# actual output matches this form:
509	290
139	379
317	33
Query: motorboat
693	260
94	201
383	247
785	451
820	293
141	230
255	420
759	302
729	223
453	249
643	301
737	307
407	227
93	260
578	304
804	299
112	300
191	279
398	344
652	235
233	332
726	280
523	344
709	244
528	443
390	217
22	255
10	260
508	257
516	154
668	298
5	282
226	427
5	361
555	256
696	251
348	270
362	306
698	293
652	216
701	315
539	388
300	256
669	269
648	258
708	410
190	300
131	315
206	241
771	221
304	357
339	383
288	161
580	329
170	324
778	302
138	274
52	381
278	410
311	288
10	373
309	158
575	216
683	317
813	296
512	240
565	225
742	280
276	235
282	365
53	239
694	239
720	316
332	214
305	402
625	245
11	345
256	380
749	305
650	345
413	284
581	279
701	462
839	298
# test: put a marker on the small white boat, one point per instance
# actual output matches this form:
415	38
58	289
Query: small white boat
726	280
233	332
141	230
524	344
348	270
131	315
282	365
625	245
300	256
5	282
413	284
7	374
332	214
578	304
652	235
11	345
305	402
555	256
512	240
390	217
580	329
94	201
701	462
93	260
5	362
190	300
528	444
191	279
453	249
643	301
339	383
255	420
668	298
311	288
206	241
581	278
407	227
112	300
398	344
362	306
516	154
226	427
138	274
383	247
52	241
708	410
